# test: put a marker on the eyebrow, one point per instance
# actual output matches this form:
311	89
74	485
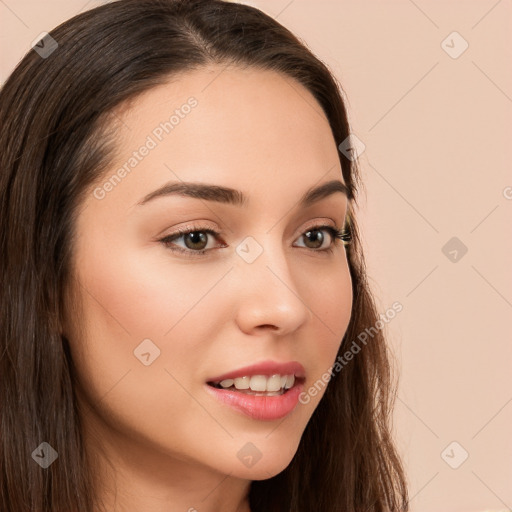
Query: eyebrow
235	197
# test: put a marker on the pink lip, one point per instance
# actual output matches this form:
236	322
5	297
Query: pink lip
264	368
259	407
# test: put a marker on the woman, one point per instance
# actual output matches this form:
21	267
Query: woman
179	281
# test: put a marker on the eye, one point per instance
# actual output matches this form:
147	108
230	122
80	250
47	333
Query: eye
316	236
196	239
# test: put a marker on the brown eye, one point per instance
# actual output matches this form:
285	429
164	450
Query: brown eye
195	240
316	236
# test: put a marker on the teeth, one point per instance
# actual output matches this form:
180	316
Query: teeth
260	383
290	381
273	384
242	382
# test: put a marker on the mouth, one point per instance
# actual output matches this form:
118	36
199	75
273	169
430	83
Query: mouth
266	378
261	385
263	392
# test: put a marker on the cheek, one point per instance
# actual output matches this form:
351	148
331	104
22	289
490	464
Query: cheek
331	304
128	302
334	299
134	294
134	307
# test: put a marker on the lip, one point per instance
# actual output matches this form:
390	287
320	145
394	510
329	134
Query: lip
260	407
264	368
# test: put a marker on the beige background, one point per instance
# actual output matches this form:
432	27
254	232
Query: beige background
437	132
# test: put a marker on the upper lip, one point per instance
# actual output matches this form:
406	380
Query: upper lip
264	368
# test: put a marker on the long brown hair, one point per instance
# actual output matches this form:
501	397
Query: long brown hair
55	143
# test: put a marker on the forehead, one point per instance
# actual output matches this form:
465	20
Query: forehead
245	128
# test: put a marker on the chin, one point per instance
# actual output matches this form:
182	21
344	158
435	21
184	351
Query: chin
270	471
267	463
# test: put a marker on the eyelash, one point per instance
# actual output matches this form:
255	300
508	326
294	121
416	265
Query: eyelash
336	234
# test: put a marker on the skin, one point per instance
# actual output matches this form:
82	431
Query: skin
173	446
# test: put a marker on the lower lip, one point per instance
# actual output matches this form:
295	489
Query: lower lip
260	407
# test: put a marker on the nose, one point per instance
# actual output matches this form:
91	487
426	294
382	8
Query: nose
268	294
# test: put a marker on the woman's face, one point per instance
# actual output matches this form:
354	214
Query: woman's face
160	324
